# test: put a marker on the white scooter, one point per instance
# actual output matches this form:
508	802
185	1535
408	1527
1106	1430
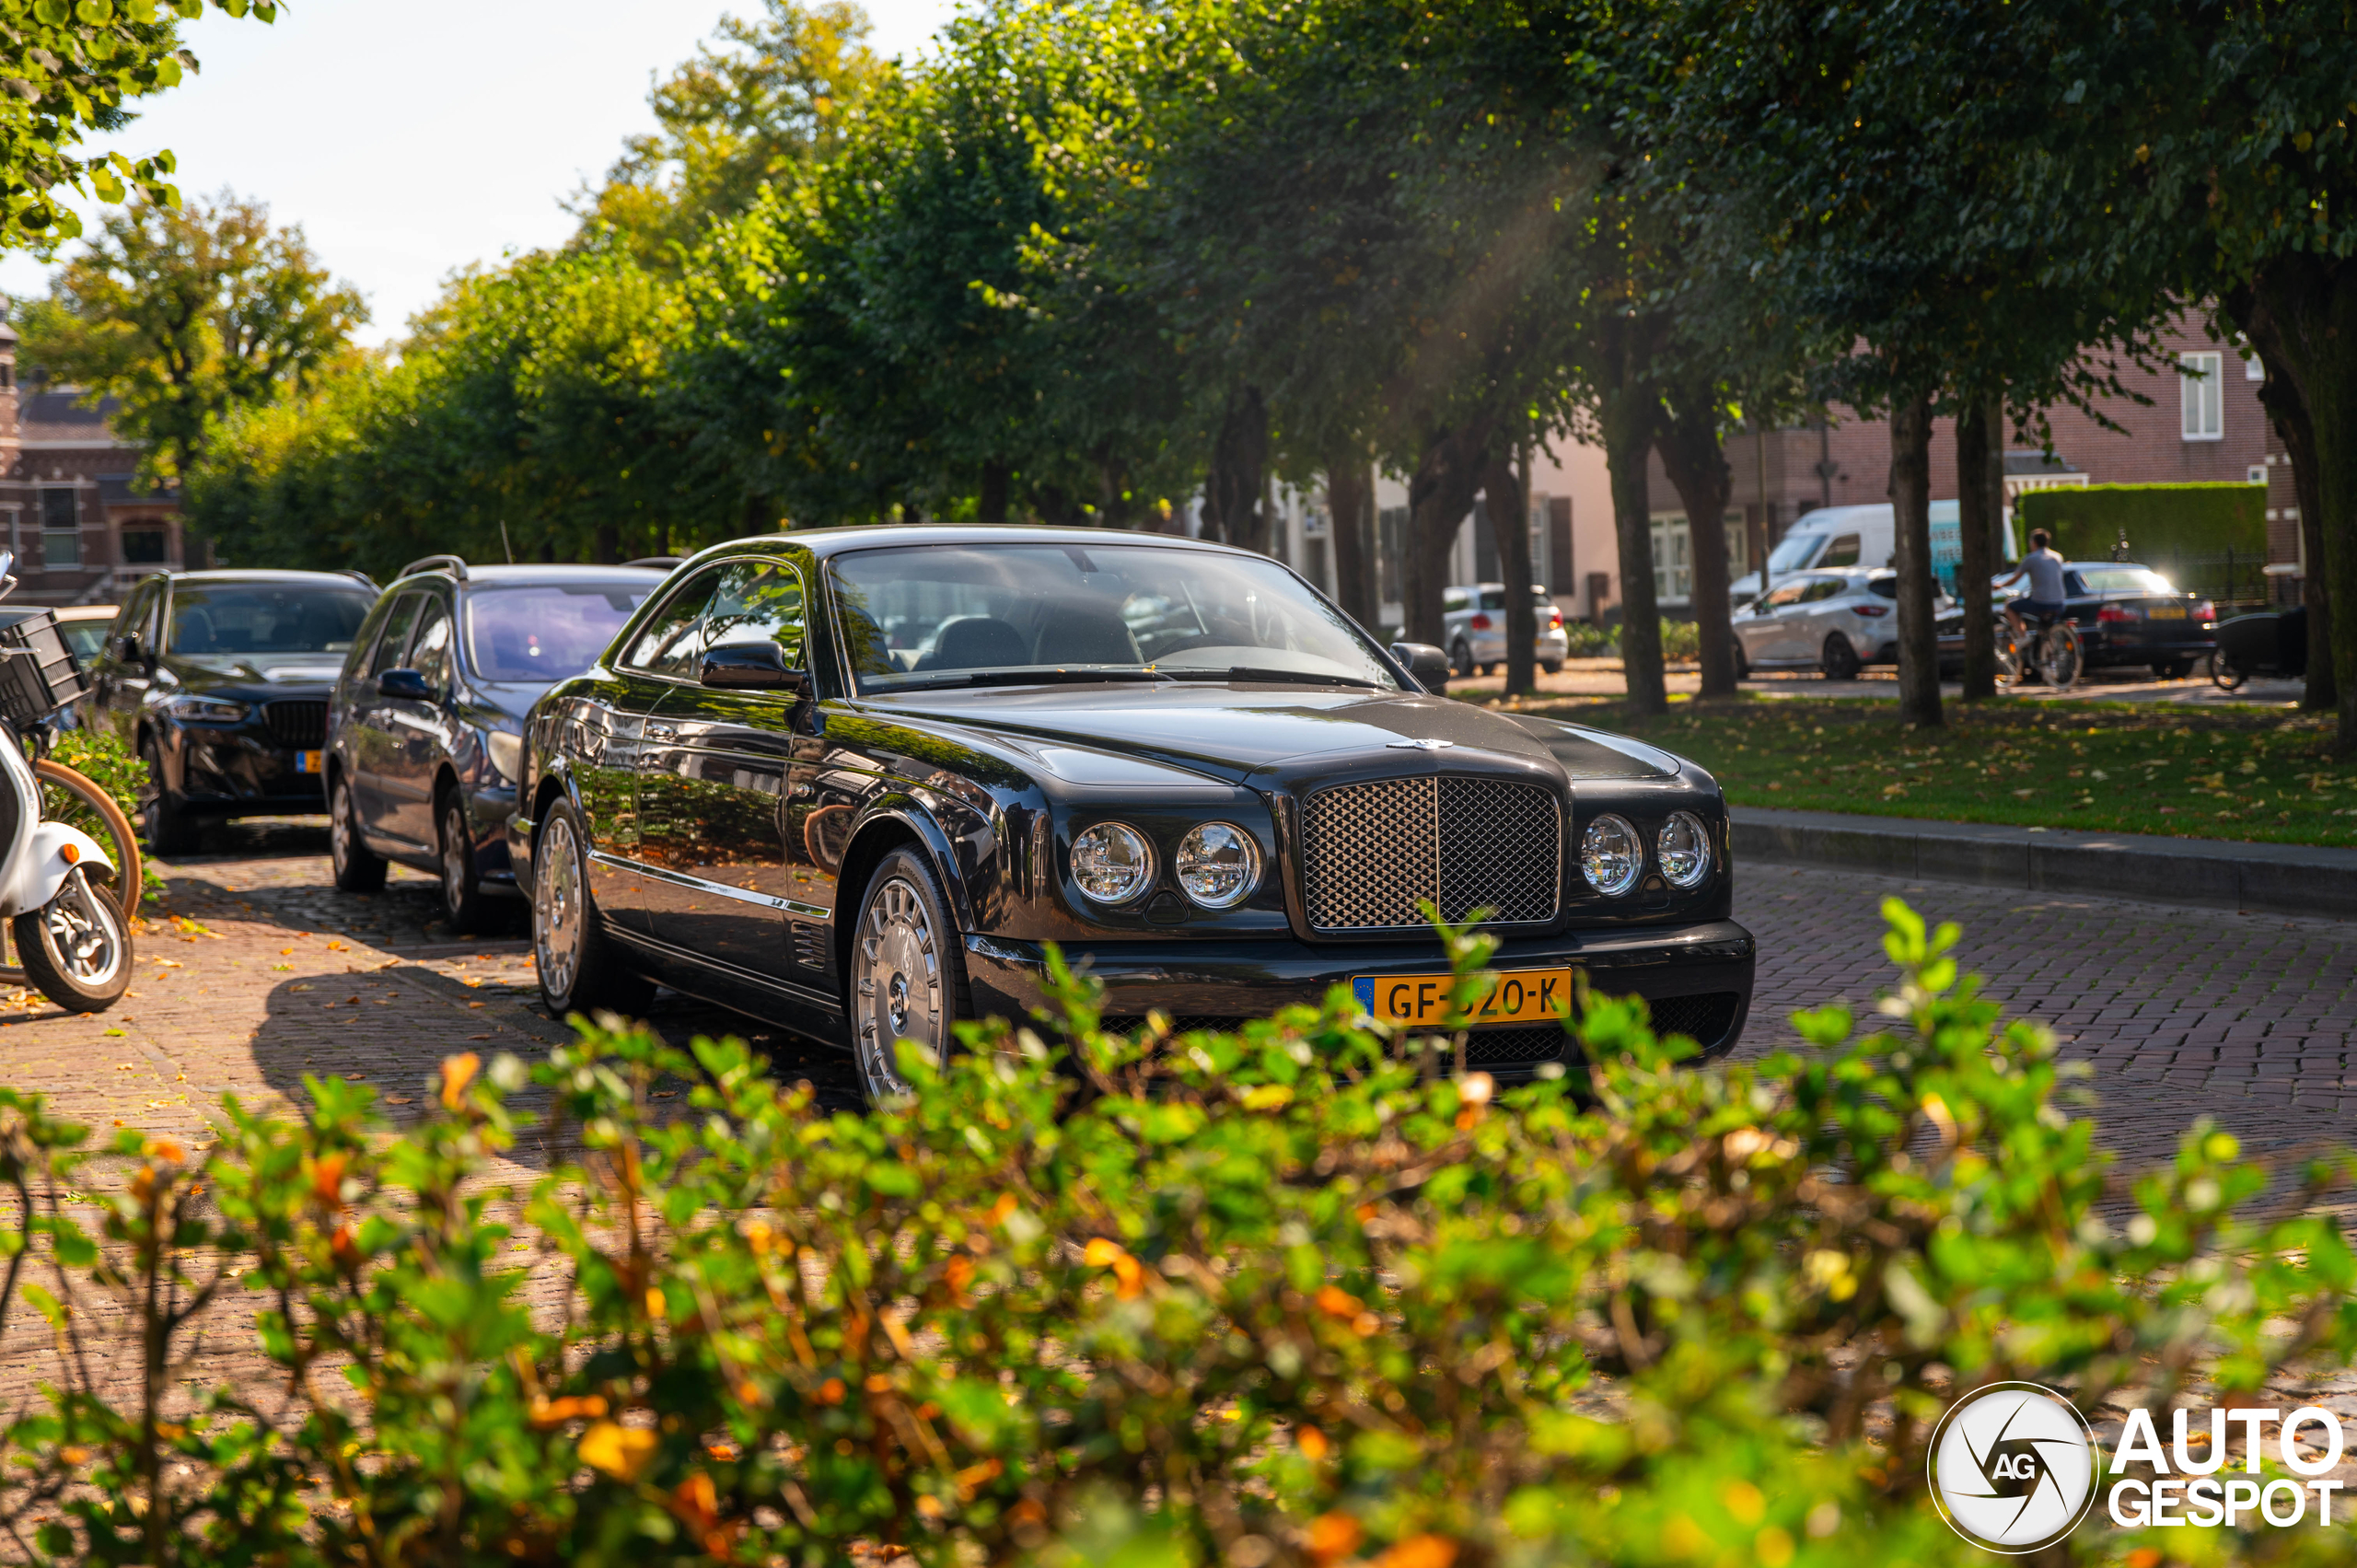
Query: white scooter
72	941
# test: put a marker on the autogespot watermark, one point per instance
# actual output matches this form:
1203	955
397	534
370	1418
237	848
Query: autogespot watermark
2016	1467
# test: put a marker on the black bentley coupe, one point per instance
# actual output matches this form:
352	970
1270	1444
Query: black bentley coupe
854	781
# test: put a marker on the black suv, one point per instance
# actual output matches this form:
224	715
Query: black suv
220	682
426	724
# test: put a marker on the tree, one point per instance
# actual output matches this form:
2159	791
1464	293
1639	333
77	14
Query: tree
768	102
184	314
71	70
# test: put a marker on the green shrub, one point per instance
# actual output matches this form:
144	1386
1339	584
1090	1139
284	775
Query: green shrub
1585	639
2165	523
1304	1294
100	756
1681	640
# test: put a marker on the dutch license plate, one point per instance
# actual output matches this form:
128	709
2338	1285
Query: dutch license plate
2165	612
310	762
1520	996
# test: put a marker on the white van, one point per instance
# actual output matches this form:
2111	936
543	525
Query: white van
1861	537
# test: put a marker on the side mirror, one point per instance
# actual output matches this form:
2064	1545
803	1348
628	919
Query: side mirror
404	685
127	649
1428	664
753	667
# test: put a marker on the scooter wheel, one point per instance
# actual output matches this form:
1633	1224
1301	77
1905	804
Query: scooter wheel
77	948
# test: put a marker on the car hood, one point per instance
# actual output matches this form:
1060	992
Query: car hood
261	675
1234	732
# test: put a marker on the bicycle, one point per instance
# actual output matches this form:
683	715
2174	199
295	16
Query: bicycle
2052	648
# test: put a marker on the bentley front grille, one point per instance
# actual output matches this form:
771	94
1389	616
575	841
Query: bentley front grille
300	725
1371	852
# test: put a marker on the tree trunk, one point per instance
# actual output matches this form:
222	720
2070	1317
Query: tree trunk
992	507
1348	498
1979	502
2301	314
1439	496
1910	503
1239	462
1628	413
1510	525
607	548
1690	453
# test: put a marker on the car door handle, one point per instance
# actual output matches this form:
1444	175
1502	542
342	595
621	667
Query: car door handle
662	732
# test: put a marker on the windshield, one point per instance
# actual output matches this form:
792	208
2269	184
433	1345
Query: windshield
919	616
547	632
1495	598
237	620
1793	552
2124	580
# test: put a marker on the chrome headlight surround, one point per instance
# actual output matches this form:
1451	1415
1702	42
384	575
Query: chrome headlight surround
1112	863
1682	850
208	710
1218	865
1612	854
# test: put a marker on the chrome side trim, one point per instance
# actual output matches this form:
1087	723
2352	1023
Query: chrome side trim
742	895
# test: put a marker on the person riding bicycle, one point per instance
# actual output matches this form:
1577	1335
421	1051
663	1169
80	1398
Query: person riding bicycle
2044	569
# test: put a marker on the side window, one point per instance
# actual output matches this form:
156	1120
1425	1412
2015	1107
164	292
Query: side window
130	621
429	651
671	642
1789	594
1825	588
1843	551
757	602
1455	599
395	637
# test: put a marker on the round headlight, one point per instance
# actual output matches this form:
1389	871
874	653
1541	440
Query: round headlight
1218	865
1684	850
1111	862
1612	855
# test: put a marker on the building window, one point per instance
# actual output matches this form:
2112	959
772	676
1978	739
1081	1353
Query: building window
60	532
143	546
2201	381
1674	555
2254	368
2256	474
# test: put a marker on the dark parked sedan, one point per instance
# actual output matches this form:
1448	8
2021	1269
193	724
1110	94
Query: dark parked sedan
2126	614
220	681
854	781
424	731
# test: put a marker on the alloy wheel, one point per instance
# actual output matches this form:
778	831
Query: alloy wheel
560	919
340	840
89	945
897	990
454	860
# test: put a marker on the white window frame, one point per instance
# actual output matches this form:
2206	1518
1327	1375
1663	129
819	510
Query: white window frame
2201	389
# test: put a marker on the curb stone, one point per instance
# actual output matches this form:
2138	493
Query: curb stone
2297	879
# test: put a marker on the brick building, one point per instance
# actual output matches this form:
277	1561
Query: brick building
71	506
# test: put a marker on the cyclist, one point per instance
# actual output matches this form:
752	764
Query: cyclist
2044	569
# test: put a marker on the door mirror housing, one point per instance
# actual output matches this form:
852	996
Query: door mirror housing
753	667
1428	664
404	685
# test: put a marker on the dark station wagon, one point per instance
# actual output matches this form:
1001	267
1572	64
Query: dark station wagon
854	781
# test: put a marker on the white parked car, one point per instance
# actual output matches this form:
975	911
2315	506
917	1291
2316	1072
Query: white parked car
1833	621
1473	629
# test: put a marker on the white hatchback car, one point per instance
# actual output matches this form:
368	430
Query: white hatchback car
1473	629
1833	621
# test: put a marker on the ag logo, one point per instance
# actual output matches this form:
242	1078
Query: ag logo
2014	1467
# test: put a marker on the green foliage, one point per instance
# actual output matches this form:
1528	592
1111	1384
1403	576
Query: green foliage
73	68
1291	1295
102	756
2165	523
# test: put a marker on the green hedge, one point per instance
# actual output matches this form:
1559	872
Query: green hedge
2163	522
1310	1296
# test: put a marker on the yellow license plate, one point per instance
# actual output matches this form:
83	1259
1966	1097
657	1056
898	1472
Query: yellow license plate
310	762
2165	612
1518	996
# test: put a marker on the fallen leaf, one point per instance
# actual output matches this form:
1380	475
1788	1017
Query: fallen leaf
619	1451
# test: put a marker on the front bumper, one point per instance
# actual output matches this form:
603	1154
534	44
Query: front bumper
241	770
1697	978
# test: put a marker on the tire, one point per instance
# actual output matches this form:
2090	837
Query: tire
357	869
170	828
1553	666
2173	668
2061	659
77	801
1837	659
463	899
2226	674
579	969
2013	669
905	979
77	948
1460	661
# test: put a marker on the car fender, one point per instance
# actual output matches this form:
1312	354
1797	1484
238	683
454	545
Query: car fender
910	813
56	850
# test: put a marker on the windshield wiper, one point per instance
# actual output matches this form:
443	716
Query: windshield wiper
1253	672
1017	678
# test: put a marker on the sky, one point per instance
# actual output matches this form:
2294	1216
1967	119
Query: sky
409	140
